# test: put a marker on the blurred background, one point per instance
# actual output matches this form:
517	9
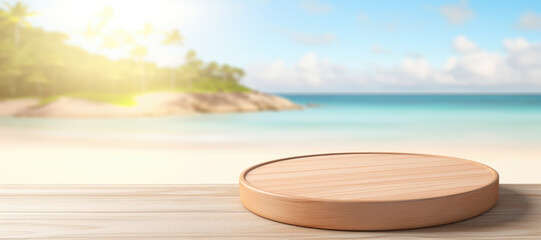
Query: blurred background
189	92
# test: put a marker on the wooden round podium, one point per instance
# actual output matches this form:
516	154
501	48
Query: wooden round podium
369	191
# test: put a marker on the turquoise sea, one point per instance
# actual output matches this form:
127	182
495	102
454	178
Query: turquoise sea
367	117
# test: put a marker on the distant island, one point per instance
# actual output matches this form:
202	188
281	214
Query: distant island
42	76
147	105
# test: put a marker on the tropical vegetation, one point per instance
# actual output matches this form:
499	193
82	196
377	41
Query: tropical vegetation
38	63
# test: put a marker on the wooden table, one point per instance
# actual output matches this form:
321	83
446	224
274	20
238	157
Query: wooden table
215	212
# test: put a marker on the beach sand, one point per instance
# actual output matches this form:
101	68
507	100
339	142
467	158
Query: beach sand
34	157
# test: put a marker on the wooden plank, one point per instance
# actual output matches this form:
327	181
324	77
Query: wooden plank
215	212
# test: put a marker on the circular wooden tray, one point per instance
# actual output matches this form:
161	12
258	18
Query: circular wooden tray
369	191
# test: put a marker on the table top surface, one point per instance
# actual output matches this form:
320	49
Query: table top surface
370	177
215	212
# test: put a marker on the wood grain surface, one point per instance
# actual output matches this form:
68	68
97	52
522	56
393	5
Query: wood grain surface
370	176
369	191
215	212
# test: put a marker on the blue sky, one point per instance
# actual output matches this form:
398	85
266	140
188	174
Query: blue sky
336	46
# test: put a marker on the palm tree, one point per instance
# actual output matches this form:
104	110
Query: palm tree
237	74
147	30
106	14
12	72
91	32
229	73
56	64
191	56
110	42
16	15
173	38
192	68
39	79
3	18
124	37
211	69
138	53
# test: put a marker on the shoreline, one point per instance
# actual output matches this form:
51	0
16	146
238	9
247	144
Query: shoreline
68	159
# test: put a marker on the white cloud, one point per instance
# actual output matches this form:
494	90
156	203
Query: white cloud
316	7
480	66
517	44
525	58
418	68
530	21
311	39
378	49
457	14
462	44
310	72
473	69
450	64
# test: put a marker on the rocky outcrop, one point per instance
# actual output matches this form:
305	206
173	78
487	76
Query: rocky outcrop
14	106
160	104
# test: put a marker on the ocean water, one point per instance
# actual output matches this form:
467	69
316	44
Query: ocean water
336	118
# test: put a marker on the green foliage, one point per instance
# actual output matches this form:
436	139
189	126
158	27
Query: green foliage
34	62
118	99
173	37
210	85
16	14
